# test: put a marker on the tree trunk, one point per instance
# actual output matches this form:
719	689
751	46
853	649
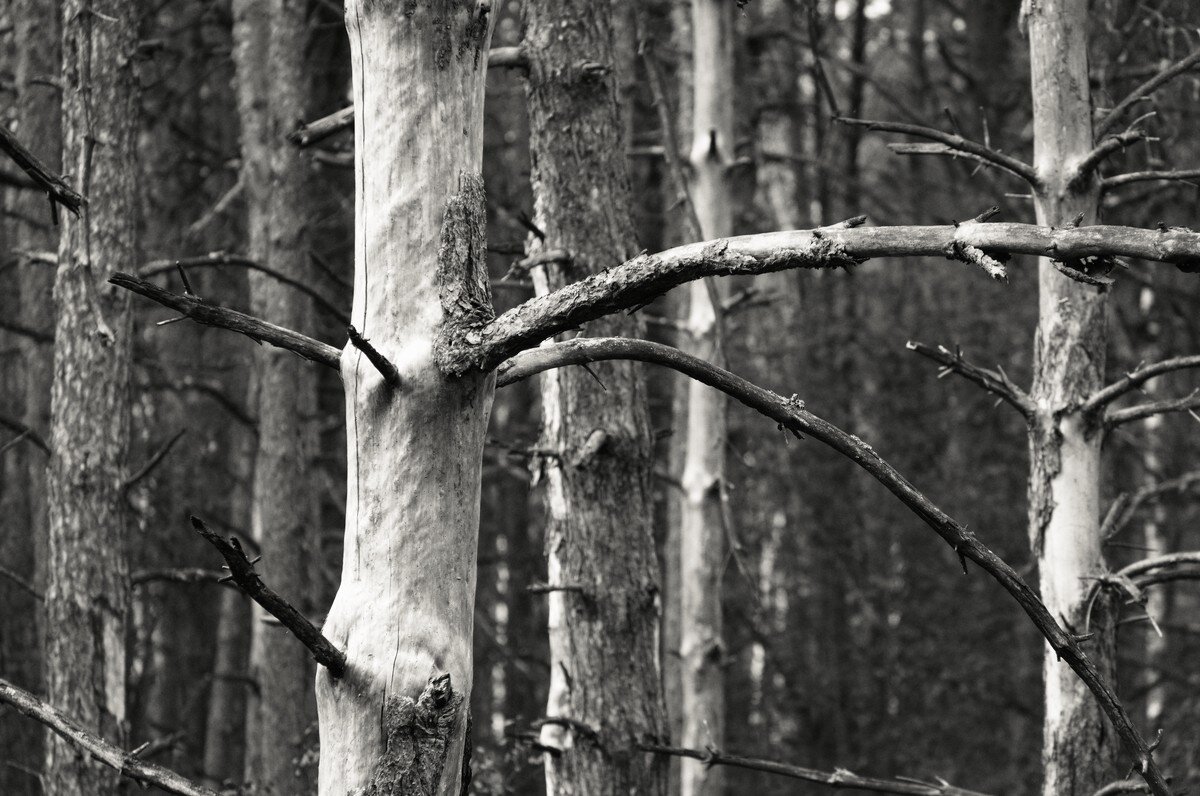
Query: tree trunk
87	597
397	722
702	527
604	661
1064	492
271	42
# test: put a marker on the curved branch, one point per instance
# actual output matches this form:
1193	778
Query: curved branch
1187	404
954	142
791	414
1144	90
125	763
1109	146
645	277
995	382
259	331
1116	181
1136	379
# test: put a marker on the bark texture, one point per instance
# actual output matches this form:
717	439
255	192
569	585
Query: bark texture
1064	491
702	528
87	596
404	610
270	46
599	541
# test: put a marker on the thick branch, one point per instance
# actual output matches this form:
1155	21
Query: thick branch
1145	90
126	763
954	142
241	570
995	382
640	280
201	311
791	414
385	367
1187	404
54	185
1116	181
1136	379
838	778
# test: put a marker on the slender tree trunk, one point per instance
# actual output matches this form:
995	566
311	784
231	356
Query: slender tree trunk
271	42
1064	492
397	721
604	662
87	597
702	529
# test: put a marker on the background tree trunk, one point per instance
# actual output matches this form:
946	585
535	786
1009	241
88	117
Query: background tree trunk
87	597
604	662
397	720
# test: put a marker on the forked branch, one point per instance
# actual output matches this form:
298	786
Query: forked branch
125	763
994	381
1145	90
791	414
1136	379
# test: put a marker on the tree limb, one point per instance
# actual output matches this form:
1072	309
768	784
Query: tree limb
1116	181
55	186
125	763
791	414
241	571
995	382
21	583
1125	506
178	575
1187	404
1109	146
201	311
1144	90
954	142
154	460
838	778
1136	379
26	433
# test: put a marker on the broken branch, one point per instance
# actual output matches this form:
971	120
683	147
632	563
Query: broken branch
54	186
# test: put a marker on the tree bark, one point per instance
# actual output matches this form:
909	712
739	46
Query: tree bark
271	42
396	722
702	527
604	661
87	596
1064	491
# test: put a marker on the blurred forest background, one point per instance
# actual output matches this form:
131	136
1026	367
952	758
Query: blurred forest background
852	638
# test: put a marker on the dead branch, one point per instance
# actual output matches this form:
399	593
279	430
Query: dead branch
1143	91
55	186
1159	563
385	367
154	460
1116	181
21	583
259	331
1101	152
640	280
24	331
995	382
1187	404
1123	786
241	571
955	143
126	763
791	414
942	150
838	778
26	433
1125	506
1136	379
178	575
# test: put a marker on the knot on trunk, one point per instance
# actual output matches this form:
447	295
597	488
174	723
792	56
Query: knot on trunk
416	738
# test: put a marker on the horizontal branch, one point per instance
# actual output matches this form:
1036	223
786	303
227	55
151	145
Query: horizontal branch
208	314
241	571
838	778
1116	181
640	280
791	414
956	142
178	575
1189	404
54	186
125	763
1158	563
920	150
995	382
1135	379
1110	121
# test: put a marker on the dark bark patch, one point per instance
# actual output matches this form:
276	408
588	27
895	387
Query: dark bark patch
462	276
417	736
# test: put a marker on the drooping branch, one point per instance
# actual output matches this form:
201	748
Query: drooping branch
1126	505
1189	404
201	311
838	778
241	571
645	277
1135	379
1116	181
55	186
953	143
125	763
1145	90
994	381
791	414
385	367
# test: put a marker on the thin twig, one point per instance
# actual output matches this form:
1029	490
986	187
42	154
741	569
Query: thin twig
1143	91
1116	181
995	382
26	433
154	460
21	583
1125	506
1136	379
1189	404
179	575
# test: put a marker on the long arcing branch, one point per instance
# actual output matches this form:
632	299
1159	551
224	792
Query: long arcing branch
1189	404
201	311
55	186
953	143
640	280
1145	90
1131	381
995	382
126	763
241	572
791	414
838	778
